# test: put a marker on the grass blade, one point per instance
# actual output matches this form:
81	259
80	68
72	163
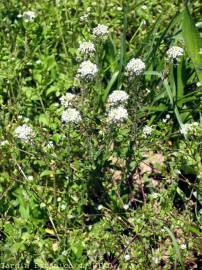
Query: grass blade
193	42
176	247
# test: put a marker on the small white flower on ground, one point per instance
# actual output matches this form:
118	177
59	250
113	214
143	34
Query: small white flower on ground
87	71
63	207
127	257
144	7
147	130
198	84
183	246
117	96
64	253
50	145
87	47
30	178
126	206
38	62
29	16
24	133
101	31
4	143
148	90
100	207
135	67
71	115
167	116
42	205
188	128
84	18
117	115
67	99
175	52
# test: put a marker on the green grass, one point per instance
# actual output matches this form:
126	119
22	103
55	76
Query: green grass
100	195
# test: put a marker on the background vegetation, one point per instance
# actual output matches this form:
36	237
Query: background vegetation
95	196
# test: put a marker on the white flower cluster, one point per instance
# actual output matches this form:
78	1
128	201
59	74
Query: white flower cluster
100	31
67	99
189	128
135	67
24	133
147	130
87	71
175	52
71	115
29	16
87	47
117	97
117	115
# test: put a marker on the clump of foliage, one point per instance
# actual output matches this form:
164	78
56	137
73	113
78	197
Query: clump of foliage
101	156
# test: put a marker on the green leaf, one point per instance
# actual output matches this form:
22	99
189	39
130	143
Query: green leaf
176	247
45	173
171	97
109	86
44	119
193	42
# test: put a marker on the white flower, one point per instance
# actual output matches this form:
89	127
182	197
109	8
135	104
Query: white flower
50	145
127	257
29	16
117	115
87	70
126	206
85	17
63	207
4	143
144	7
42	205
175	52
198	84
183	246
87	47
67	99
38	62
64	253
135	67
188	128
147	130
100	31
30	178
100	207
24	133
71	116
117	96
